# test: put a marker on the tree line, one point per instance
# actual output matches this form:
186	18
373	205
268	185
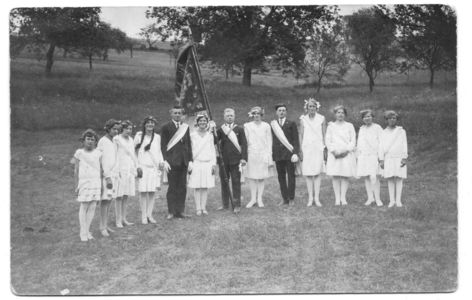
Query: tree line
316	40
75	30
302	40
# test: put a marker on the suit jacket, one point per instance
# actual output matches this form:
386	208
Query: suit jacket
231	155
279	151
181	153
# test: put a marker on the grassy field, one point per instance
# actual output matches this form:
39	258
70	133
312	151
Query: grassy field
271	250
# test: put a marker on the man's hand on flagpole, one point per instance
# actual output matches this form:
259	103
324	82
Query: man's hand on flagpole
242	162
294	158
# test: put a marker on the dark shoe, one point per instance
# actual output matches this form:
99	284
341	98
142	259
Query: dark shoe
222	208
181	216
237	209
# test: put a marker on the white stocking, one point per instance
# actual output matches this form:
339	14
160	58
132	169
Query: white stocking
260	191
317	185
398	191
90	214
253	188
368	188
143	205
337	190
150	204
309	185
83	221
198	205
104	206
377	192
124	208
344	187
118	215
391	191
203	198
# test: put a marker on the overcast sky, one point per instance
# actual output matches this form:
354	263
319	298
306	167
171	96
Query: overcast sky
131	19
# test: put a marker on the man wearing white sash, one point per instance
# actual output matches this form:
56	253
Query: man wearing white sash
177	152
285	149
234	152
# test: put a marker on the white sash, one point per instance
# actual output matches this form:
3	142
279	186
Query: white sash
178	135
202	145
279	133
231	136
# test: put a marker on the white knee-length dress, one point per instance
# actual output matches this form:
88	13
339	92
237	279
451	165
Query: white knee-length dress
127	165
109	166
259	150
149	161
204	158
340	137
393	148
312	145
89	186
368	146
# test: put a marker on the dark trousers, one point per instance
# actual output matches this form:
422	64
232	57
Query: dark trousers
286	175
177	191
233	174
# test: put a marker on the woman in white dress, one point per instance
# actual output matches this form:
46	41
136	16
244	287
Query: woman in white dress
312	134
341	164
127	166
259	144
110	172
368	167
203	168
148	149
393	156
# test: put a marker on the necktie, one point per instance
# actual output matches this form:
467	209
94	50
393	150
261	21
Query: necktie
177	124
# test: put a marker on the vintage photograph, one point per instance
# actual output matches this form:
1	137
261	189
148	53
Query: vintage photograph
233	150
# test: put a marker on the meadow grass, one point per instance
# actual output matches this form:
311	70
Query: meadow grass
271	250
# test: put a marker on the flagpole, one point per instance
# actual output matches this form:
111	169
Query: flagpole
207	105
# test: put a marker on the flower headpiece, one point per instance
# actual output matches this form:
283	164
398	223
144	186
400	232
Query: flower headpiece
256	109
200	116
311	100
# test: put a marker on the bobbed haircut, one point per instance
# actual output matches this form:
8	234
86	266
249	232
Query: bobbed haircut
338	107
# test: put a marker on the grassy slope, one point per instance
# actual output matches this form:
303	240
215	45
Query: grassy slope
270	250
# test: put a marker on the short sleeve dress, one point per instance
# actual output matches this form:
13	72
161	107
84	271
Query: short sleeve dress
89	185
312	145
393	148
204	158
340	137
368	146
259	150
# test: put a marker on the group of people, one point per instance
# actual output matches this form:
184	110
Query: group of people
107	169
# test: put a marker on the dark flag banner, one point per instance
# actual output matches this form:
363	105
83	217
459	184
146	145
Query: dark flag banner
188	85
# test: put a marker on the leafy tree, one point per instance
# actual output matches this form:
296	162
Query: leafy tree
371	36
152	33
54	27
327	54
248	34
427	36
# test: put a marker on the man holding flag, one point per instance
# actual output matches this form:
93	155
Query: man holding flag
234	154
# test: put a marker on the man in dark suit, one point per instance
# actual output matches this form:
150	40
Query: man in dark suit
177	152
234	151
285	149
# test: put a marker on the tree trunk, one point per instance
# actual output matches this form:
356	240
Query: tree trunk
64	54
50	58
131	51
318	88
371	82
247	75
90	61
431	77
105	55
226	73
